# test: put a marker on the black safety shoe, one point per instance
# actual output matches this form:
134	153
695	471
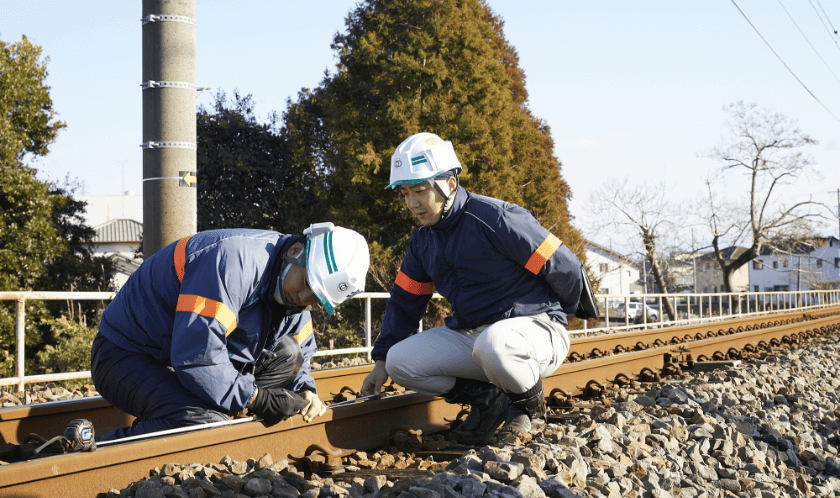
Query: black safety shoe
488	408
526	410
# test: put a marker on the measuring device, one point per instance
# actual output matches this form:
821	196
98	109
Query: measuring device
351	401
80	434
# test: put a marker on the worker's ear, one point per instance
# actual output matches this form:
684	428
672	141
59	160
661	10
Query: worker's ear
452	183
295	251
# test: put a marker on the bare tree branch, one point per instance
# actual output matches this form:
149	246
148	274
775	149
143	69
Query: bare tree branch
645	211
767	147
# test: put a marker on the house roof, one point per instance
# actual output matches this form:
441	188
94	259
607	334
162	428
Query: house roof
800	246
609	252
120	230
728	253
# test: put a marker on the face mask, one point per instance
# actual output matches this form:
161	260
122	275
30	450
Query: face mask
279	295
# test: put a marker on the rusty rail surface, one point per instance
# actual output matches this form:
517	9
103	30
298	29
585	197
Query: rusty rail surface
361	426
51	418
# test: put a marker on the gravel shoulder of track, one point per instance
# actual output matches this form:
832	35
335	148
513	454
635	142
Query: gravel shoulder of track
762	429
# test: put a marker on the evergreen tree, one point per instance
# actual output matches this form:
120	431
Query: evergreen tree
27	119
444	67
44	244
247	179
405	67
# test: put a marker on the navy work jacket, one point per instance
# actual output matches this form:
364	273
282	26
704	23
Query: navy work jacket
491	260
205	300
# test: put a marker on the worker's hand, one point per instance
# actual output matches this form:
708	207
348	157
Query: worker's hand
374	380
315	408
273	404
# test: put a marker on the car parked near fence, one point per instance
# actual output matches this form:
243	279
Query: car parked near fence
634	310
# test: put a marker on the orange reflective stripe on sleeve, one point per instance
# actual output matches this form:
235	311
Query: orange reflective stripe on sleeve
181	257
409	285
541	255
305	332
209	308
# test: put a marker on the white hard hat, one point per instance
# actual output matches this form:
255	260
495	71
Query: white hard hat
422	157
337	261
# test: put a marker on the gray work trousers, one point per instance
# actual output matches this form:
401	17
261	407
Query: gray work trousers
512	354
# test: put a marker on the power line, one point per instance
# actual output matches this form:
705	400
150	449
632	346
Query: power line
823	23
782	61
826	17
807	40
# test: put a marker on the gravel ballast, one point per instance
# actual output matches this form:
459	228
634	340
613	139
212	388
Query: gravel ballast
765	428
761	429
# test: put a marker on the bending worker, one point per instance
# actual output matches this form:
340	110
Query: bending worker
218	322
511	285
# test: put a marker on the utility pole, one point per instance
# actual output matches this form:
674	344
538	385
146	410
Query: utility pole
838	213
694	260
169	129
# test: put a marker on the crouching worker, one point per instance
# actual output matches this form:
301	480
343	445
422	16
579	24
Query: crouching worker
511	285
218	322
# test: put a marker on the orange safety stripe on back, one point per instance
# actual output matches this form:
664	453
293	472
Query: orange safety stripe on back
181	257
541	255
410	285
305	332
209	308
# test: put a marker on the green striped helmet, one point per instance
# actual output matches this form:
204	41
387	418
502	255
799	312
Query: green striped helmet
337	261
420	158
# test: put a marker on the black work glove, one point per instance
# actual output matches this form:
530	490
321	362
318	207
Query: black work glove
274	404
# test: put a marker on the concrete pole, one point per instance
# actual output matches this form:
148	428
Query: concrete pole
169	130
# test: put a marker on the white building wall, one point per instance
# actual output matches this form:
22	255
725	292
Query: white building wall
122	254
710	278
616	276
796	272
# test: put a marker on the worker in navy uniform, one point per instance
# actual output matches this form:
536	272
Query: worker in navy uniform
511	285
219	322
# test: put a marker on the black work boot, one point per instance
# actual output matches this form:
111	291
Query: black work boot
526	410
488	405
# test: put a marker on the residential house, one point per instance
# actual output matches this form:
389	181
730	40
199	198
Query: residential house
119	240
616	273
812	265
710	276
677	272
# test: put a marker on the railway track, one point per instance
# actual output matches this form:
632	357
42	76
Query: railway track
594	362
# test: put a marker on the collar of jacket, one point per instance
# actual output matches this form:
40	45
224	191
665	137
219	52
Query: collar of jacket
277	267
455	212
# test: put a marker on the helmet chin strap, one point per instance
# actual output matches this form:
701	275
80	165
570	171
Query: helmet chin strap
279	295
288	261
450	197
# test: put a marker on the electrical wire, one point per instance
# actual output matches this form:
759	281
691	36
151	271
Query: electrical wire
782	61
826	17
823	23
807	40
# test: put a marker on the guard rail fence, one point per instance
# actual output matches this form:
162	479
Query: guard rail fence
690	308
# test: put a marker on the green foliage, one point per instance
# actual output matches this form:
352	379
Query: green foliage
27	119
76	268
44	244
71	350
340	338
443	67
246	178
403	67
29	239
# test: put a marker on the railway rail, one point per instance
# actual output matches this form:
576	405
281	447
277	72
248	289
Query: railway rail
594	363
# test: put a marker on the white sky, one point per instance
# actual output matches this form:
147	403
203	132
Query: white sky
629	89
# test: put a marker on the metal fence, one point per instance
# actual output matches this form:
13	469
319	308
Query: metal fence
689	308
700	308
